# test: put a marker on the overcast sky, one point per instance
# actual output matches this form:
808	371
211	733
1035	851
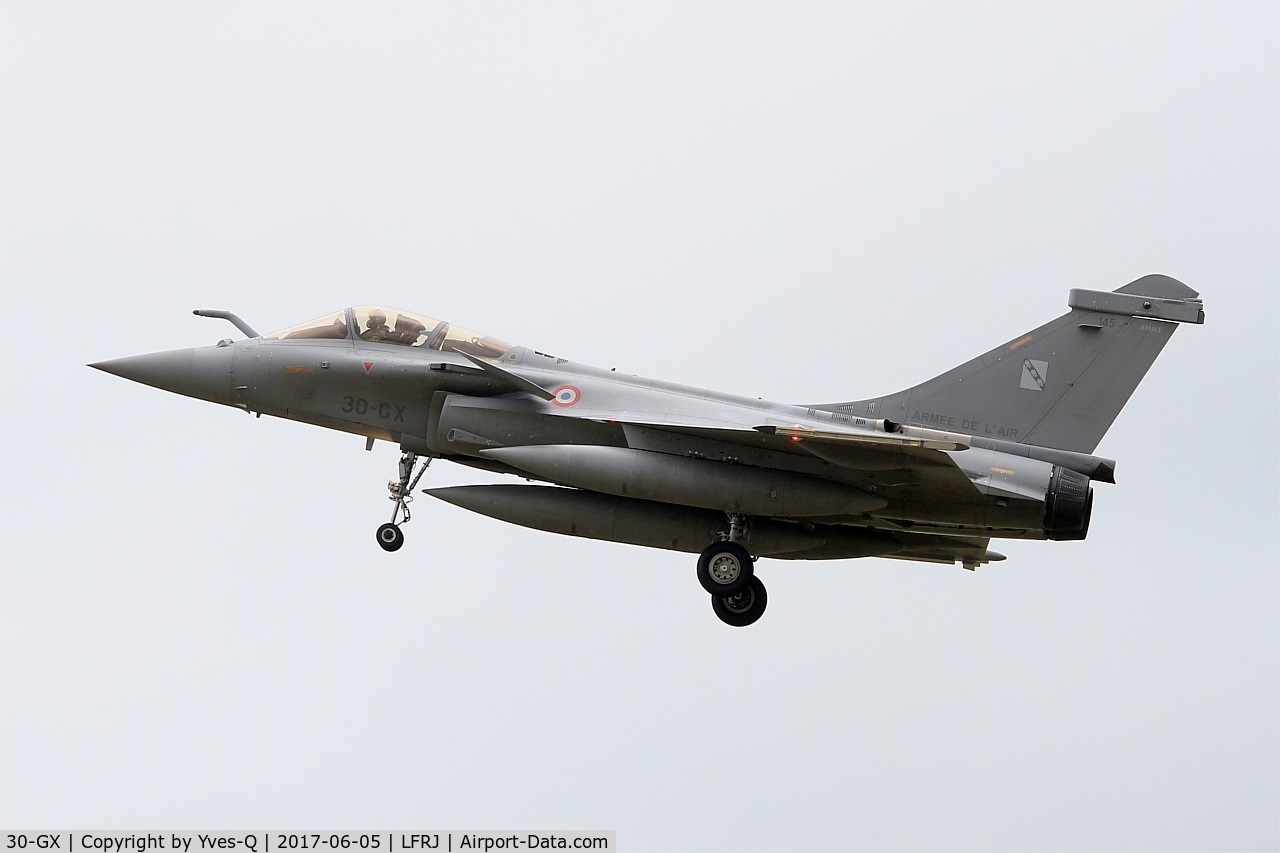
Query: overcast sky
805	202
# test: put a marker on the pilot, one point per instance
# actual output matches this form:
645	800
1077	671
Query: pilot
377	329
407	330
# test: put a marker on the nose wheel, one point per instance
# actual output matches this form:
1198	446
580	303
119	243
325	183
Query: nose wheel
390	536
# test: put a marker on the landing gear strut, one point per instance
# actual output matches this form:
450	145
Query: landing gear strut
727	571
390	536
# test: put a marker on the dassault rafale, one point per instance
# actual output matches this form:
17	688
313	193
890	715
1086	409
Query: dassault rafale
1000	447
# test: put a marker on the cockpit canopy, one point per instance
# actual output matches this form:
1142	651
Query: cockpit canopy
378	324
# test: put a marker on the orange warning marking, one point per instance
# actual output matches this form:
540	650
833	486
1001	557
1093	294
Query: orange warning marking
1021	342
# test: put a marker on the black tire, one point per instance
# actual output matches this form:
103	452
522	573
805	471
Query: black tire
744	608
724	568
390	537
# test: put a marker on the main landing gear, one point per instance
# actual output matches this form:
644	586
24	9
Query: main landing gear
390	536
743	608
726	570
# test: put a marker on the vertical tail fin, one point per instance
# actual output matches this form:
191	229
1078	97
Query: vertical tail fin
1060	385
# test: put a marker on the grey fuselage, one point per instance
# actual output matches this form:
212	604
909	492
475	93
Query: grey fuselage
997	447
440	404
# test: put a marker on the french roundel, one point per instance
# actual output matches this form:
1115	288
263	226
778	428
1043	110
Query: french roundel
566	395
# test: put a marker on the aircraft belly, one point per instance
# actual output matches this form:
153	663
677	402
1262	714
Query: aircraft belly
591	515
670	479
1017	520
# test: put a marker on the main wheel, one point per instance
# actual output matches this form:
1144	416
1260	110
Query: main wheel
744	608
390	537
724	568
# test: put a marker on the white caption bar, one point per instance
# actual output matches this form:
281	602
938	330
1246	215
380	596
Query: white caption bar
264	841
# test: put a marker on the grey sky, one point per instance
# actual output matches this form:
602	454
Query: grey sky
803	202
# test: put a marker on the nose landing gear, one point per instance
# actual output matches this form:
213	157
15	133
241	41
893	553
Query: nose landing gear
390	536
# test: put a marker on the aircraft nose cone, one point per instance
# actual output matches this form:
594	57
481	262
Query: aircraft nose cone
204	372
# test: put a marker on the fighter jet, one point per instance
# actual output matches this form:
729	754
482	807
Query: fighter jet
1000	447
